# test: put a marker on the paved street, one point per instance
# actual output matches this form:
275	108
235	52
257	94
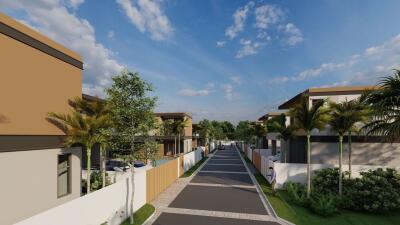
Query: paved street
221	193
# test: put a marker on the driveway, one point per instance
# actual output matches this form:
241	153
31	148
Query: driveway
221	193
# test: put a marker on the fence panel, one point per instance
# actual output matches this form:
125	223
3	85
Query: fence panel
257	160
159	178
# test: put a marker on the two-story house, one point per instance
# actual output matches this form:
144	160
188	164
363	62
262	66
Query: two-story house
366	150
38	76
174	143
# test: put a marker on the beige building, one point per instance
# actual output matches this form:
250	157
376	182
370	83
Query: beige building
171	143
38	76
366	150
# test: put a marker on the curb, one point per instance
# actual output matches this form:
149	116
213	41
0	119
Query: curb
264	198
149	218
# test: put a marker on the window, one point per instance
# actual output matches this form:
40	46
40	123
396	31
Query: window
63	175
315	101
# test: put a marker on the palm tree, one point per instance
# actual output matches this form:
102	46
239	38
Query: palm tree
309	118
385	104
83	126
180	129
285	132
344	117
169	128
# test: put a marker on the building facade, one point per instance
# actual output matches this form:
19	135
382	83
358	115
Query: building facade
366	150
38	76
172	143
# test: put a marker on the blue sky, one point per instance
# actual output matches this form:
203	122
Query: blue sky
223	59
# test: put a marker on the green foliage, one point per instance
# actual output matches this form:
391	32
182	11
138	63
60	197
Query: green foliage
131	110
376	191
385	102
326	181
307	118
141	215
297	193
323	204
218	130
96	181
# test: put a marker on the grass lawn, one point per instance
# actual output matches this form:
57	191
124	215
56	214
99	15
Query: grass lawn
194	168
141	215
302	216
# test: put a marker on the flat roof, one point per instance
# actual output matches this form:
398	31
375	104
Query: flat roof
273	113
173	114
343	90
28	36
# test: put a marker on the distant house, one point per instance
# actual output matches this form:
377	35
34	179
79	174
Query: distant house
272	141
170	142
366	150
38	76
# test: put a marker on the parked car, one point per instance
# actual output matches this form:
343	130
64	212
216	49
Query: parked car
116	165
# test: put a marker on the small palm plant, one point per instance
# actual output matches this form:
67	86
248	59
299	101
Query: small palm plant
344	117
307	119
284	132
84	127
180	129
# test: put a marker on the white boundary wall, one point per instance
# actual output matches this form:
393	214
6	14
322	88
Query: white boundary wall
110	204
297	172
191	158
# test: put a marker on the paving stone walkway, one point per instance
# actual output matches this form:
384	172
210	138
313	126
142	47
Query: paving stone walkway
221	192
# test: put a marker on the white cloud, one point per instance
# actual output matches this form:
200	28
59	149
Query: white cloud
267	15
364	68
228	91
239	18
248	48
236	79
146	15
110	34
221	43
189	92
292	34
76	3
53	19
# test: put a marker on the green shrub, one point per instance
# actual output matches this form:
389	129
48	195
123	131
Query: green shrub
96	181
376	191
324	204
326	181
297	193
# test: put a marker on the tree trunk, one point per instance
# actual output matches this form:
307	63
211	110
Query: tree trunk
340	163
179	143
175	146
349	142
308	165
132	190
132	182
88	168
103	165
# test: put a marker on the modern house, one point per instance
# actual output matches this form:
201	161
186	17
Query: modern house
38	76
271	140
171	143
366	150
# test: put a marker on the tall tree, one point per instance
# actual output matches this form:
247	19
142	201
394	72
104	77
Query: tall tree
308	118
244	131
85	125
131	110
180	129
385	104
343	120
205	131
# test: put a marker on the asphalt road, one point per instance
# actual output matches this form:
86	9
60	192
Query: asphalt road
222	186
